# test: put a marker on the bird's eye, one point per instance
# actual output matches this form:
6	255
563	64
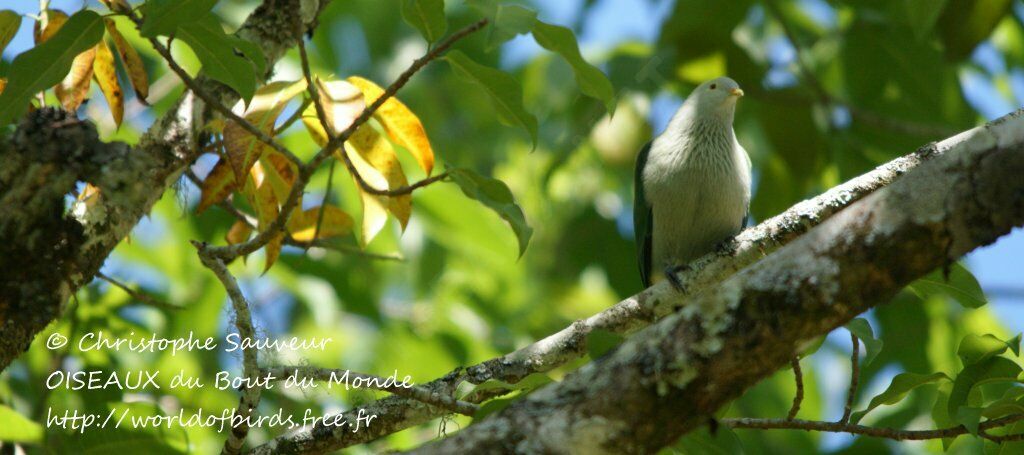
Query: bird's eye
714	86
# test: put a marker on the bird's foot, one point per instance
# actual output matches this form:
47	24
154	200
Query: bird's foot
672	272
727	247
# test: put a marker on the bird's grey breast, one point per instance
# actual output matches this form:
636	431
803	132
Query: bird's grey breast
697	184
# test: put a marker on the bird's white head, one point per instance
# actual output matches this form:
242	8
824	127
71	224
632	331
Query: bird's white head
716	97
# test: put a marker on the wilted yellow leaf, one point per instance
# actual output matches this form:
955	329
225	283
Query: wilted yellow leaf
3	84
131	60
72	90
49	22
106	76
216	186
342	103
400	122
335	223
90	195
244	148
239	232
261	196
378	152
281	173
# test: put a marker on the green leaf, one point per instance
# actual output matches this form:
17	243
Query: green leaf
600	341
503	89
46	65
922	14
427	16
965	23
898	389
1010	403
995	369
969	417
591	80
10	22
163	17
509	21
961	286
872	345
495	195
530	383
978	348
940	415
216	51
493	406
18	428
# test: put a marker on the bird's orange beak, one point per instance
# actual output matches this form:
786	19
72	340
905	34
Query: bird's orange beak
737	92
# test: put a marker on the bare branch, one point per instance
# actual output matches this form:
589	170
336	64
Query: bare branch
887	433
138	295
433	398
851	394
798	398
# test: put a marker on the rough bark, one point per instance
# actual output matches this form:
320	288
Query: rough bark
667	379
47	252
630	315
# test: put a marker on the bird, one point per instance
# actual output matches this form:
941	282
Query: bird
691	185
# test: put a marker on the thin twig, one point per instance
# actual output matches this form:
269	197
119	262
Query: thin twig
798	374
213	102
138	295
376	382
294	117
854	378
322	115
888	433
250	397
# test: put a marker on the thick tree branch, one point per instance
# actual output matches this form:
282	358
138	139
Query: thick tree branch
667	379
48	255
628	316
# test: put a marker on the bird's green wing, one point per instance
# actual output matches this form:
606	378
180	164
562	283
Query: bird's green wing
643	220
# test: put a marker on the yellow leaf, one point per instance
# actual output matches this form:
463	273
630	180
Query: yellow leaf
239	232
72	90
264	202
216	186
244	148
400	122
342	103
281	174
335	223
90	195
378	153
375	213
132	62
49	22
106	76
3	84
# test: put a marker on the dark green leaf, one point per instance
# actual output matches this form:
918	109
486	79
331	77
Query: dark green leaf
492	407
965	23
216	51
503	89
898	389
922	14
995	369
969	417
961	286
591	80
46	65
495	195
163	17
509	21
978	348
1010	403
601	341
427	16
872	345
10	22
